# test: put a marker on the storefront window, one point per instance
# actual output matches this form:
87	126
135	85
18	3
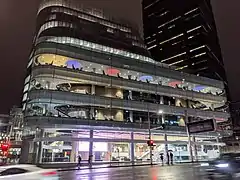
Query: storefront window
141	152
111	135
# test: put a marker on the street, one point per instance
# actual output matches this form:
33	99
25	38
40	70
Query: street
176	172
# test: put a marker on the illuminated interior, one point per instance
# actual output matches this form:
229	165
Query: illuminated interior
62	61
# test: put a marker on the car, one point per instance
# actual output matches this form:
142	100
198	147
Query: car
226	166
27	172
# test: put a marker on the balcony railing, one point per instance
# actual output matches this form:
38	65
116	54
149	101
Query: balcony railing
127	84
59	97
119	62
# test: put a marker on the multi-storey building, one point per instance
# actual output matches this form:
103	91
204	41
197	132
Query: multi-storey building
183	35
92	88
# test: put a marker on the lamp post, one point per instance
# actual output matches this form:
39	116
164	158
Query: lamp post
150	134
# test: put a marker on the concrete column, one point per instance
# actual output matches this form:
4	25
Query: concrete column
91	143
132	148
45	109
161	100
48	84
190	149
92	113
212	106
131	116
189	138
217	140
24	151
163	119
130	95
195	149
93	89
166	147
40	148
74	152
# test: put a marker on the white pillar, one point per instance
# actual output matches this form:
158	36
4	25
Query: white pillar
161	100
93	89
189	138
195	149
131	116
190	149
74	152
92	113
130	95
163	119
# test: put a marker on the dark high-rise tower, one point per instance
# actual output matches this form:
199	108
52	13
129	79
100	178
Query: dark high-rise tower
182	34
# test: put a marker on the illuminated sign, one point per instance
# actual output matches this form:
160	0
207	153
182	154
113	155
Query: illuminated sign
201	126
97	146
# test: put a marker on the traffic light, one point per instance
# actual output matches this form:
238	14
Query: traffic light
150	143
5	146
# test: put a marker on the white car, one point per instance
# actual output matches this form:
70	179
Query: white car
27	172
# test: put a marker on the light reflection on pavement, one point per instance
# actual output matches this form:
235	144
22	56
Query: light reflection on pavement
177	172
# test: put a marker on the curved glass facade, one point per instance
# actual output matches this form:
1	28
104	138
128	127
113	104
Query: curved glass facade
94	96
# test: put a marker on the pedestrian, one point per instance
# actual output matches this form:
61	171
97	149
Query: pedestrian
167	158
90	160
171	158
79	161
161	157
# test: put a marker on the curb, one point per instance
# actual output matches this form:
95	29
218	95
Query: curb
76	169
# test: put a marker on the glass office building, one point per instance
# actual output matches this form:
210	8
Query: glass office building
92	88
183	35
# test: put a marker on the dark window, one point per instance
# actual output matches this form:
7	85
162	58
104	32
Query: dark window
13	171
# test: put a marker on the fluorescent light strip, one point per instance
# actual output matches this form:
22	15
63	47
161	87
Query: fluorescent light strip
198	55
191	11
193	29
197	48
152	47
173	57
169	22
171	38
151	4
176	62
180	68
151	41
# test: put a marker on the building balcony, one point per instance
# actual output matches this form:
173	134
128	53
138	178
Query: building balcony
122	62
47	71
75	123
60	97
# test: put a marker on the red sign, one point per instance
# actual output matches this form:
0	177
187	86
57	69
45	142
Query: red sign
5	146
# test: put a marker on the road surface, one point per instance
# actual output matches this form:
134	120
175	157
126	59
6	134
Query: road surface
176	172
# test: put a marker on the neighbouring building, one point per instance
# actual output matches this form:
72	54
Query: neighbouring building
183	35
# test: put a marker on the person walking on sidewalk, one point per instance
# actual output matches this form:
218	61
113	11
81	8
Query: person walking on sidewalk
161	157
171	158
167	158
90	160
79	161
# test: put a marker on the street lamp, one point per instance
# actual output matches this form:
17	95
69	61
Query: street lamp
149	132
160	111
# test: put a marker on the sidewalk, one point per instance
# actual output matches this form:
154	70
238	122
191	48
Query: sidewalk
73	166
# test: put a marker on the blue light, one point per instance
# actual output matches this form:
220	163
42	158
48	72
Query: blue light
145	78
199	88
75	63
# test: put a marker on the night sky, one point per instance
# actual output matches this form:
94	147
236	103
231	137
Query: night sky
17	26
227	17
